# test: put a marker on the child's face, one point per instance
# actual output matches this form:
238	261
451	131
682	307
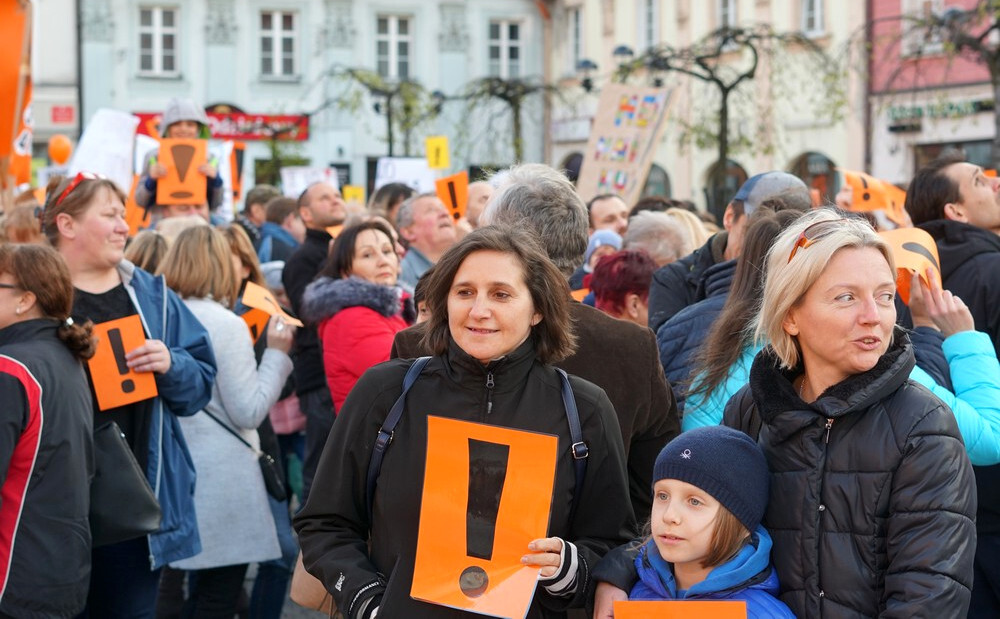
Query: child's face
683	523
183	129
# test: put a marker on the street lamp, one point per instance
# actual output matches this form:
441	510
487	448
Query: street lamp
623	55
586	67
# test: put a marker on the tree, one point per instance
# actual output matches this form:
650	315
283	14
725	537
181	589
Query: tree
514	93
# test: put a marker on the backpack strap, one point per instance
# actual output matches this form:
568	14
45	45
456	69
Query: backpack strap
388	426
579	447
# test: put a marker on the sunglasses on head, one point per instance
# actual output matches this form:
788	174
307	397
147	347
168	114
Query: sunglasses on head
813	233
73	184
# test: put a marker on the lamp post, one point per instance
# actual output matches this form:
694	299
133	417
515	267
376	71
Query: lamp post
586	66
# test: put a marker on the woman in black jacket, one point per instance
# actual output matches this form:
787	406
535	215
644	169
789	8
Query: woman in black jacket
46	438
872	493
499	316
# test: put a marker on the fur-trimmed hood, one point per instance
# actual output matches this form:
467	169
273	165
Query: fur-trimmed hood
326	296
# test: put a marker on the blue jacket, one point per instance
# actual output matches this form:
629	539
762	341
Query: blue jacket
272	235
706	409
680	337
747	577
184	390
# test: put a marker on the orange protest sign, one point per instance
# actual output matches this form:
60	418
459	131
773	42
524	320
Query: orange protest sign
261	298
115	384
136	216
334	231
183	184
454	192
915	251
580	294
256	320
487	493
678	609
14	67
872	194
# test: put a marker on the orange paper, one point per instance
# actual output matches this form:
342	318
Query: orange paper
256	320
261	298
872	194
334	231
183	184
115	384
580	294
454	192
705	609
14	27
136	216
915	251
487	493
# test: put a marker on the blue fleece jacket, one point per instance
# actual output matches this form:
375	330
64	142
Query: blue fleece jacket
748	577
183	390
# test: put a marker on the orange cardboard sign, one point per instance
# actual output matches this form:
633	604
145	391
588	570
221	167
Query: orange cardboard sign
681	609
183	184
487	494
261	298
454	192
115	384
580	294
872	194
14	31
334	231
256	320
136	216
915	251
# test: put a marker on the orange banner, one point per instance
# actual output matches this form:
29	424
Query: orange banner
136	216
454	192
677	609
915	251
487	494
261	298
13	66
872	194
256	320
183	184
115	384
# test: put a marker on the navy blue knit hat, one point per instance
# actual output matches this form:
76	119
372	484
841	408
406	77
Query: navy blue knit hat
723	462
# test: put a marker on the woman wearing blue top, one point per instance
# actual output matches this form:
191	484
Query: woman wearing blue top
706	541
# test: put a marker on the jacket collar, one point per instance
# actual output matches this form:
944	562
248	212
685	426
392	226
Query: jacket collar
318	236
27	330
326	296
509	372
776	397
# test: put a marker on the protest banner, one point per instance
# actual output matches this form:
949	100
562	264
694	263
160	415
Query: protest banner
914	251
15	103
627	129
295	179
872	194
116	384
256	320
411	171
261	298
137	217
106	147
487	493
454	192
183	184
437	152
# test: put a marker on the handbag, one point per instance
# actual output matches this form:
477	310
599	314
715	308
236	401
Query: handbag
307	591
268	467
122	504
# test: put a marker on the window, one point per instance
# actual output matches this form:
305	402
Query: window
393	42
649	24
158	41
575	38
812	17
727	13
278	44
919	39
505	49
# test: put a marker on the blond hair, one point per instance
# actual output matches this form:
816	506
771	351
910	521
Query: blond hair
199	265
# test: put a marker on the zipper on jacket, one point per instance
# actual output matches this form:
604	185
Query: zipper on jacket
829	424
489	393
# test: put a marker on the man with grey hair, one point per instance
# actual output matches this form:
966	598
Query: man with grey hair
681	283
428	228
618	356
659	235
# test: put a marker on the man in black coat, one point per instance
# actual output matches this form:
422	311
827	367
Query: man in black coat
959	206
618	356
320	206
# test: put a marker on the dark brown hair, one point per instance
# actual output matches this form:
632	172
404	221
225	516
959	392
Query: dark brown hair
40	270
74	204
553	336
930	189
242	248
341	257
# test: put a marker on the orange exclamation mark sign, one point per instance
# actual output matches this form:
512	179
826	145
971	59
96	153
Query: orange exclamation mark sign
454	192
118	348
487	473
183	155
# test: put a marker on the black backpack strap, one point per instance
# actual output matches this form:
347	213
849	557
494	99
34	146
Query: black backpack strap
579	447
388	426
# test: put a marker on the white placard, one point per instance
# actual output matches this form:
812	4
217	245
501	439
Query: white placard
106	147
412	171
295	179
144	146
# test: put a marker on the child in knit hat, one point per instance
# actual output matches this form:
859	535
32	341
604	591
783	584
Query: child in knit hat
710	490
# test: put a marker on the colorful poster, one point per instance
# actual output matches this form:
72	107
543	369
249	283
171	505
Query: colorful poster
716	609
115	384
627	129
487	494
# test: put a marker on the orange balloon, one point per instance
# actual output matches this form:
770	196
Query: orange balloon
60	148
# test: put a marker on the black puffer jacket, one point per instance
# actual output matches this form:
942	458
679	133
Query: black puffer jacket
333	525
872	500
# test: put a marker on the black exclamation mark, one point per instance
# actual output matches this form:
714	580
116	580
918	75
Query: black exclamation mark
183	154
118	348
437	155
454	200
865	196
487	473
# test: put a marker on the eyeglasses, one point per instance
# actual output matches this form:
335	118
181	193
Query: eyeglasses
813	233
79	178
10	286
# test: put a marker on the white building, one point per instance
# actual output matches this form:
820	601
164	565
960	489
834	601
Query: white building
285	57
55	106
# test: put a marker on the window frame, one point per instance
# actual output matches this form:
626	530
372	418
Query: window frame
393	38
157	32
726	13
818	17
913	45
505	44
648	26
277	35
575	36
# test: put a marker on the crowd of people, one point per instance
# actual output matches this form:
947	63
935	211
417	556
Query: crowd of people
745	411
